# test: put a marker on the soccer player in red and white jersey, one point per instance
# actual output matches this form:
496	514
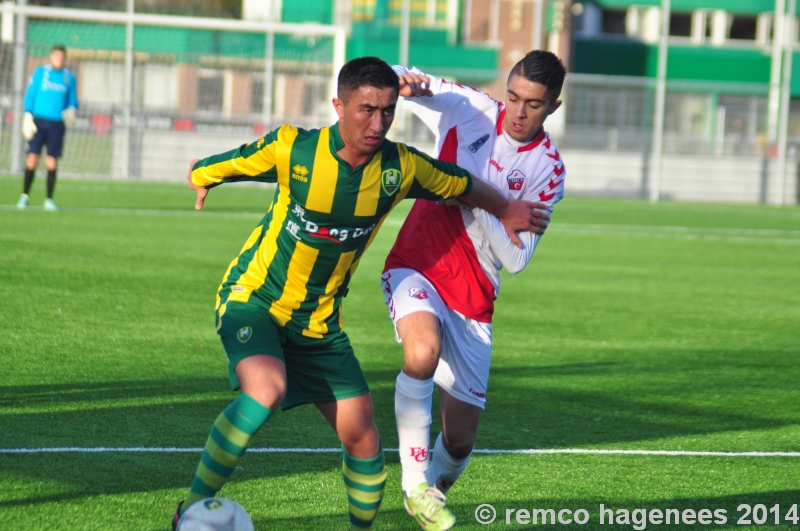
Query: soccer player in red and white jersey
442	276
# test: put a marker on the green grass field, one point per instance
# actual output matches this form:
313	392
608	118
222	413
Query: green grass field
638	326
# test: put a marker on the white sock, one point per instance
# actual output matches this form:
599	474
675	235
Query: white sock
445	469
413	400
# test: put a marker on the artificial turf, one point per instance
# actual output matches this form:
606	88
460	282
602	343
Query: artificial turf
637	326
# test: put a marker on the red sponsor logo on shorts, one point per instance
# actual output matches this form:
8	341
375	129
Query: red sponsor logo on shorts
420	454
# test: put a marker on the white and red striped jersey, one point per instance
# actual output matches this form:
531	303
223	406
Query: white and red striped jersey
450	245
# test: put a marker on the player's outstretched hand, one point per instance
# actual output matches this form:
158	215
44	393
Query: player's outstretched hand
524	215
201	192
412	84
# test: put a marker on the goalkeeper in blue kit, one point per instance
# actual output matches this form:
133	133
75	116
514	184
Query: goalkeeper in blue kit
50	104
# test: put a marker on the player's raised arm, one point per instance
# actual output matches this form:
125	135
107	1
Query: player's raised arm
250	162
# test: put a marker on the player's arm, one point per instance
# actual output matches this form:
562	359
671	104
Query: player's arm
435	179
249	162
29	128
71	103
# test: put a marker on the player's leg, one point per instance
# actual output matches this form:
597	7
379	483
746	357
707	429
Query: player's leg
363	467
254	347
454	444
55	146
31	161
463	377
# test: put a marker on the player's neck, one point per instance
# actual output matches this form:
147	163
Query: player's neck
520	143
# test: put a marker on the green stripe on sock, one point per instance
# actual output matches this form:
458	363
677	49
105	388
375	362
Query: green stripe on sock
241	420
368	467
362	487
355	521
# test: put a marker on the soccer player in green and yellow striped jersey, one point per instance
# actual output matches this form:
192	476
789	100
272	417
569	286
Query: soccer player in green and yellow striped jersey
278	308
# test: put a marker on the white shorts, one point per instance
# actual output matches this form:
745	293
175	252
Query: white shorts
463	369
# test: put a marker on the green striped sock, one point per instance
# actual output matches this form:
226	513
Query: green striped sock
364	480
227	443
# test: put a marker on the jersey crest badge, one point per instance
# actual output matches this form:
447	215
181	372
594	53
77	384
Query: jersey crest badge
418	293
390	181
475	146
515	180
244	334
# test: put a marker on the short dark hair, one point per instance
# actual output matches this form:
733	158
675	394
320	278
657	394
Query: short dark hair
545	68
369	71
58	47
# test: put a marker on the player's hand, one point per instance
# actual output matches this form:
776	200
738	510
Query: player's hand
68	116
29	128
524	215
201	192
412	84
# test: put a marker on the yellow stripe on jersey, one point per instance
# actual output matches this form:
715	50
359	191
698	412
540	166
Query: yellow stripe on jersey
316	324
256	273
246	247
430	178
294	292
323	177
370	189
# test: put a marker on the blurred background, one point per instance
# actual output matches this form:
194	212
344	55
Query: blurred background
163	82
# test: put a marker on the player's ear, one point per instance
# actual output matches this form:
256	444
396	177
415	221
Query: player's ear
554	107
339	106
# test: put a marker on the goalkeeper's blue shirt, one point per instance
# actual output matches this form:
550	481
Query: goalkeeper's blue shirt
50	91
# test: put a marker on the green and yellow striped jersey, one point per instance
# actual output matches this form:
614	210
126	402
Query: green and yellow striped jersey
299	260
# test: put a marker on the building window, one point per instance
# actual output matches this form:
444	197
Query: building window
743	27
680	24
210	92
614	21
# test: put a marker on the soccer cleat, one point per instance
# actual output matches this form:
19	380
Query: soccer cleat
177	516
22	204
50	205
427	506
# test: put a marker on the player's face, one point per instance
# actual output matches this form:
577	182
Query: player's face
527	107
365	116
57	59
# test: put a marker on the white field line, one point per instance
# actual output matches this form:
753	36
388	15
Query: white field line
790	237
174	450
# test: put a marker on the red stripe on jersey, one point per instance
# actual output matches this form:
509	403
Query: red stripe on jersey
434	242
558	171
555	157
449	150
535	142
500	122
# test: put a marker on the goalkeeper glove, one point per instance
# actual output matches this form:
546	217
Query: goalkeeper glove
28	126
68	116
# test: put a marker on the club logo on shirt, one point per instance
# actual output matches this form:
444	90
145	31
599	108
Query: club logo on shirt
418	293
244	334
390	181
515	180
475	146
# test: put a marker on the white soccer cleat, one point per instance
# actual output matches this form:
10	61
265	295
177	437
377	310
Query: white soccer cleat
22	204
50	205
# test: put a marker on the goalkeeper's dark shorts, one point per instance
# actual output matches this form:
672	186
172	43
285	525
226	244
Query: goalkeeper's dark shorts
317	370
49	133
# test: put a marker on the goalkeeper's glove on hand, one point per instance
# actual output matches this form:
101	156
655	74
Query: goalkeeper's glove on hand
68	116
28	126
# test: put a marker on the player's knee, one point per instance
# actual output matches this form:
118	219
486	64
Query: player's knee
268	394
363	443
421	359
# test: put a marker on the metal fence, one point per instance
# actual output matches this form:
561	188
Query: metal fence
156	91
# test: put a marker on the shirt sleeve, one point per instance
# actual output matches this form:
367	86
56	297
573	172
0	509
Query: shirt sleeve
30	94
450	104
512	257
435	179
248	162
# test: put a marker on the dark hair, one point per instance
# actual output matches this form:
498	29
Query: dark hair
542	67
369	71
59	47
